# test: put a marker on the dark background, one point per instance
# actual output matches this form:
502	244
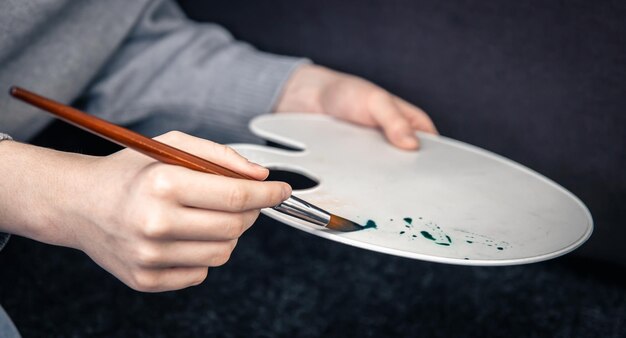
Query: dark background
541	82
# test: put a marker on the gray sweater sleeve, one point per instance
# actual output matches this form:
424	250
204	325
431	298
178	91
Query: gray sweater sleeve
189	76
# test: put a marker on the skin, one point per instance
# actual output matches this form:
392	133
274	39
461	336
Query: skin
158	227
319	90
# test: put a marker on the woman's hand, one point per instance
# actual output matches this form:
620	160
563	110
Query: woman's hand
315	89
155	226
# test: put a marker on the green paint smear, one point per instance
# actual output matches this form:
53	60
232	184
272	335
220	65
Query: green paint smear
427	235
369	225
500	248
401	232
470	242
408	220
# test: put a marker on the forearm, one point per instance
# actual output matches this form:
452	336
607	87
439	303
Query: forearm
37	186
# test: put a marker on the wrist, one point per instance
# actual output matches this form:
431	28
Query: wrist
42	188
304	89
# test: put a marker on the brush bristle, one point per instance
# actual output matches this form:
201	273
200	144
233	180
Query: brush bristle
342	224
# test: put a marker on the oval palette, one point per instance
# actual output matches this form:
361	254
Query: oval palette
449	202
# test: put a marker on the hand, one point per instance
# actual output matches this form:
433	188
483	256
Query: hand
154	226
315	89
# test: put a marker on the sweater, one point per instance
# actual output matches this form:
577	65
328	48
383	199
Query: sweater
133	63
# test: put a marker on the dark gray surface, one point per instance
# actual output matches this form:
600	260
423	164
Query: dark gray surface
540	82
282	282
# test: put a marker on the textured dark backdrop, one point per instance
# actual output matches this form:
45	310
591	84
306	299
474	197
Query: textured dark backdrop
538	81
541	82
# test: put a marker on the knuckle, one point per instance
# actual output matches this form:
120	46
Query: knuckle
221	258
145	281
228	152
171	136
202	275
154	227
233	244
159	182
239	198
148	256
378	97
249	218
235	228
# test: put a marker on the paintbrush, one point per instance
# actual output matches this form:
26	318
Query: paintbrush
293	206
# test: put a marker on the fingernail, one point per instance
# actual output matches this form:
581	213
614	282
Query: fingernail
286	191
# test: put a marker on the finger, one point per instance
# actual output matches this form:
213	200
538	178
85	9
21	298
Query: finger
167	279
417	118
186	254
214	152
203	225
195	189
395	126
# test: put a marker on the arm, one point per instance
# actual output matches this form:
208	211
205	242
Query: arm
152	225
172	67
177	70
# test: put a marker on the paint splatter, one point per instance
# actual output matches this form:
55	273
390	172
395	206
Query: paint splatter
437	235
369	225
409	220
472	238
427	235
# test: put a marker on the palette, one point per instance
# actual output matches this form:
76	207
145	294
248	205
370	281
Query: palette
449	202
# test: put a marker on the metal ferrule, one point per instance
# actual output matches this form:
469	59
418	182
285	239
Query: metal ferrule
298	208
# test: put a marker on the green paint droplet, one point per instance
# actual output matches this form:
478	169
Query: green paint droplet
470	242
401	232
500	248
449	239
369	224
413	236
444	244
408	220
466	258
427	235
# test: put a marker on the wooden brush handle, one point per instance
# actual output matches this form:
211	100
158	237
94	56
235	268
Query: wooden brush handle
124	137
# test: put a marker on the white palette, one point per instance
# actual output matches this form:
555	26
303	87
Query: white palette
466	205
